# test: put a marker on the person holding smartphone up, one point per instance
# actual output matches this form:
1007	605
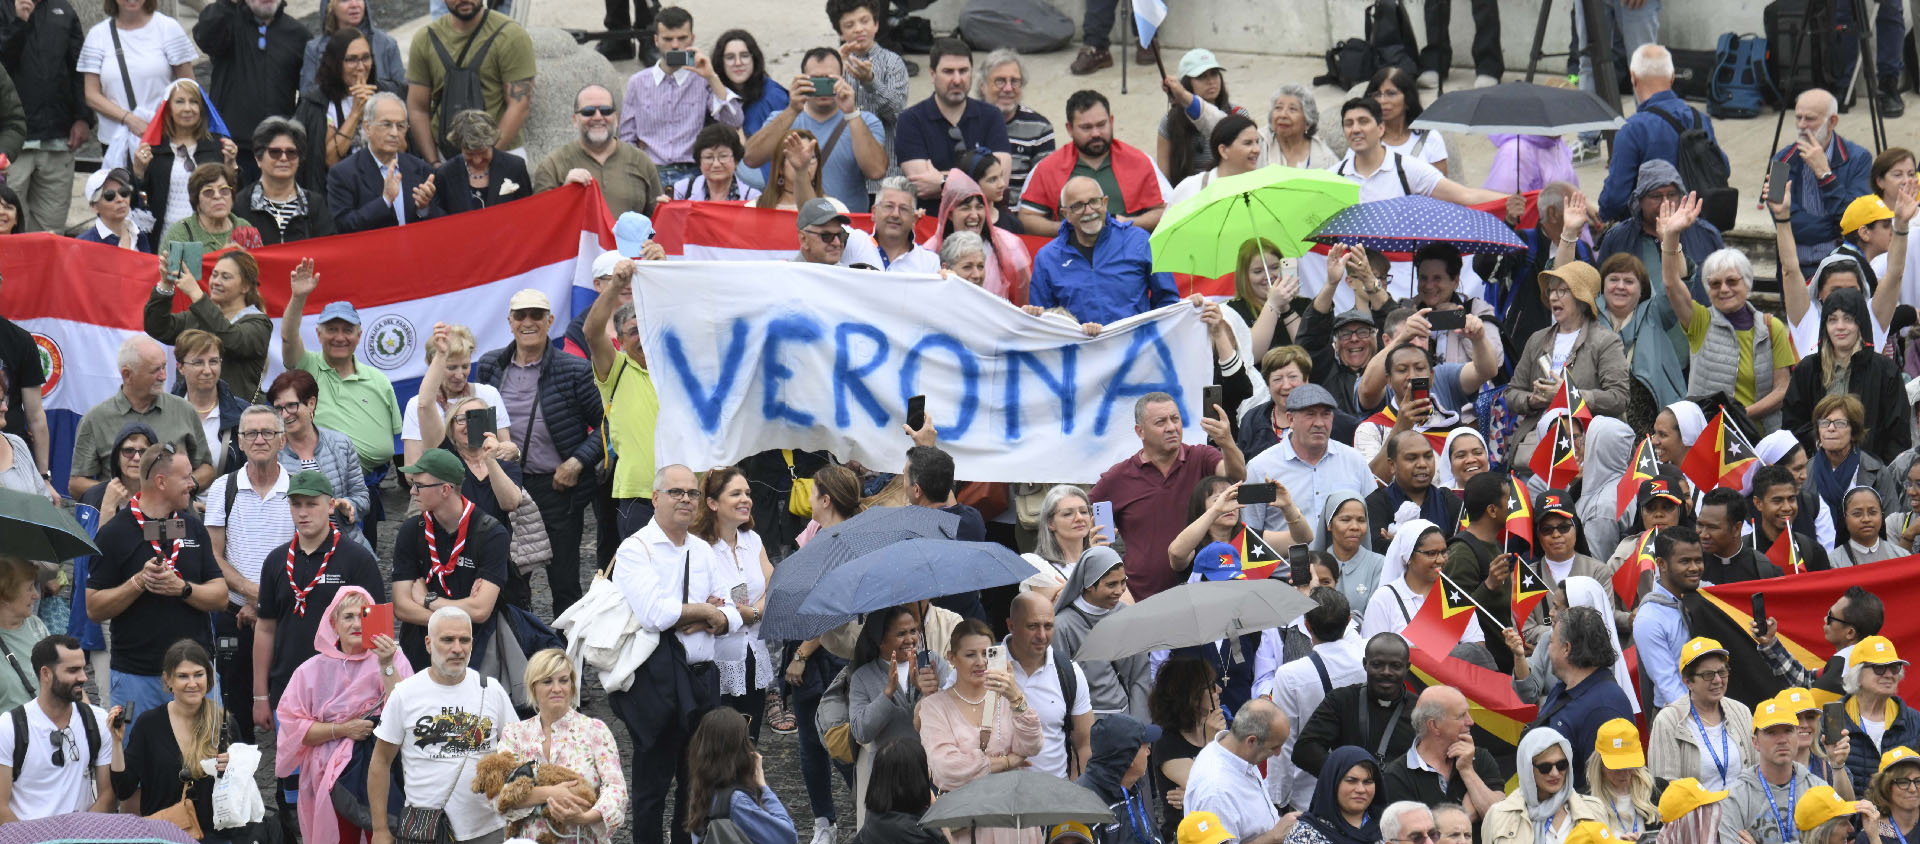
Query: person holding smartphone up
1411	392
662	115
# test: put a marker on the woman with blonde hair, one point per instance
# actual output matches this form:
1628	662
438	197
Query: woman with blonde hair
796	172
163	171
560	735
163	756
20	630
1895	791
1618	780
228	306
959	750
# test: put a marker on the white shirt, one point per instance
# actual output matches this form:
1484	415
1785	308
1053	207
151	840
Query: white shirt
1434	149
648	569
443	731
210	428
1226	785
1341	469
1043	692
39	789
410	421
1297	691
1385	611
1709	774
861	249
918	259
1562	348
151	52
263	524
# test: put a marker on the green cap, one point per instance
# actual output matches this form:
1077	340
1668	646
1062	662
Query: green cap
439	463
310	482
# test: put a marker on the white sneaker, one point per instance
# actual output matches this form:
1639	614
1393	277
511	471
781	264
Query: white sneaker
1429	79
1485	81
823	831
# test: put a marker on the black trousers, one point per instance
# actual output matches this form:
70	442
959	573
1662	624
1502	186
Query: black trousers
630	14
236	670
650	711
1437	56
563	511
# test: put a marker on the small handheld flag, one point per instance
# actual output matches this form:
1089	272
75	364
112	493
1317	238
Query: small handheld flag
1645	464
1626	578
1569	399
1719	458
1519	512
1442	619
1553	458
1529	589
1785	554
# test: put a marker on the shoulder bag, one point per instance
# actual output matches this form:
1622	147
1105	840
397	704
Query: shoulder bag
182	814
800	496
422	823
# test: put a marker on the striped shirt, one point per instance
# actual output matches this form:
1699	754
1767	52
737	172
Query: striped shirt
675	109
885	96
1031	137
268	523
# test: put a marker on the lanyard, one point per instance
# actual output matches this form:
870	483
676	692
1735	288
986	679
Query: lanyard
1896	830
1137	818
1621	823
170	560
1719	759
434	567
1773	808
300	594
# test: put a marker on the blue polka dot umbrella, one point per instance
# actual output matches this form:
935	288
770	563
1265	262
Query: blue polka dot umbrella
1408	223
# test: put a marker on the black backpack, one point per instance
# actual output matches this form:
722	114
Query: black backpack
1389	42
1027	26
1703	167
19	714
462	90
1069	687
1803	50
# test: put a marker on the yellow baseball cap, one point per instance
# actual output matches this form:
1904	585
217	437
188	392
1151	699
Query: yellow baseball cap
1685	795
1875	650
1818	806
1063	833
1203	828
1589	832
1618	743
1698	647
1799	699
1896	756
1864	211
1774	712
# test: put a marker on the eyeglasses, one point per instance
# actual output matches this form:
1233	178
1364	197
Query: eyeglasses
596	111
1831	424
680	494
1909	782
63	745
202	363
1352	333
1560	766
110	194
419	488
1077	207
282	153
216	193
1007	84
1557	527
259	435
717	157
365	59
839	236
1435	554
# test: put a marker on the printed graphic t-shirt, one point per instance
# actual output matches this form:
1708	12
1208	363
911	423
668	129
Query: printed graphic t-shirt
443	731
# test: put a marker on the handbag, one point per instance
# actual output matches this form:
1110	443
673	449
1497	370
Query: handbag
831	719
1027	499
182	814
800	496
422	823
531	549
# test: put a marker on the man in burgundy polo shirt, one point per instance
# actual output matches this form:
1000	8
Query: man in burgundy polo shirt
1150	490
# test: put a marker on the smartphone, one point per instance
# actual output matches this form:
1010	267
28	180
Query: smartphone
1211	396
185	255
822	85
1777	183
1759	614
1451	319
1257	493
1419	389
480	423
376	620
996	658
916	412
119	718
1833	720
1103	520
924	658
164	530
677	58
1298	565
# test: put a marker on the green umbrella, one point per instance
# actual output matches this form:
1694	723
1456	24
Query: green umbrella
1283	205
33	528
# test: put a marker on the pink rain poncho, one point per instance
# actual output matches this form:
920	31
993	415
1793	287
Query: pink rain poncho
330	687
1009	267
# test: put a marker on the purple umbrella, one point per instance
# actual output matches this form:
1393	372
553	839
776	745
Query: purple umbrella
90	828
1405	224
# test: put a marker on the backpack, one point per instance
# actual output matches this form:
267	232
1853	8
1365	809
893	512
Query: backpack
19	715
1704	170
1069	687
1739	87
1026	26
720	826
1388	42
462	90
1802	48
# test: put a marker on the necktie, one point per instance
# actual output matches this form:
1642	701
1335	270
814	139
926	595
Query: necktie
399	210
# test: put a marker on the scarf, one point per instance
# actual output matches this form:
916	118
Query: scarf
1583	591
1323	812
1534	743
1830	481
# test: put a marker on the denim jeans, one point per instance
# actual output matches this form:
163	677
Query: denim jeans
1631	28
1889	31
137	693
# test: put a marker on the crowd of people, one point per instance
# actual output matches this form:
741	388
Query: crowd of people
1396	414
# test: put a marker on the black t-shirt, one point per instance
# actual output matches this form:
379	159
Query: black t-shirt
483	558
481	492
351	565
972	528
1401	782
152	623
1172	746
20	358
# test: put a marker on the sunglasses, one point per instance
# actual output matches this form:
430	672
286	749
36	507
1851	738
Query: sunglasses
63	745
829	237
110	194
1558	527
596	111
281	153
1560	767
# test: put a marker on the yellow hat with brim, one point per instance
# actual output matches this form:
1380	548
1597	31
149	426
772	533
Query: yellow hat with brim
1203	828
1618	743
1818	806
1874	650
1800	700
1864	211
1590	832
1774	712
1896	756
1698	647
1685	795
1071	831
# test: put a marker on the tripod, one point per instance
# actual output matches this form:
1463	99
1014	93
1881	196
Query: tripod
1865	71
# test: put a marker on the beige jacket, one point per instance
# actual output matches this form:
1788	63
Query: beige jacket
1673	749
1507	823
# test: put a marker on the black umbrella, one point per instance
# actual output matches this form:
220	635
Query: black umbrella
1518	108
795	577
34	528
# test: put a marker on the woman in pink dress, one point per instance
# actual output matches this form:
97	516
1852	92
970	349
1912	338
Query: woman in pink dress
958	750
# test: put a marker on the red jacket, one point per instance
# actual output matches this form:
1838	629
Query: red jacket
1132	169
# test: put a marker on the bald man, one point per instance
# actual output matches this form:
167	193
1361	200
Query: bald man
1098	267
1443	766
1225	778
1828	172
1056	688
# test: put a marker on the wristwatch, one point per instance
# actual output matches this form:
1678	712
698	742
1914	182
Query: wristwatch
186	589
387	670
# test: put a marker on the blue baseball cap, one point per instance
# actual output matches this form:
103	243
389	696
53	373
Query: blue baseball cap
1217	561
631	232
341	311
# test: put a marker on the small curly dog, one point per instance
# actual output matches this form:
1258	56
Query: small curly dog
506	779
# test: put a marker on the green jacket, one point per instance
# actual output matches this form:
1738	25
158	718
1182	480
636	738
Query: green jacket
190	230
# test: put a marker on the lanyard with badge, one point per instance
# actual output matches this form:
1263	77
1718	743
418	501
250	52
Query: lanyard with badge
1786	832
1720	758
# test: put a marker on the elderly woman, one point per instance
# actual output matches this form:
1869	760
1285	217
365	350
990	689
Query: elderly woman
1706	716
295	394
1346	802
492	484
384	52
1198	100
1617	779
1838	462
1847	364
1643	322
1285	367
1545	806
20	630
196	353
350	70
964	207
796	172
726	523
561	735
1895	792
190	144
1872	684
1399	98
481	177
1235	146
959	750
887	684
1266	298
1824	818
1185	704
964	254
1293	118
162	763
110	195
287	212
135	46
129	446
1066	533
326	705
230	308
1734	348
212	224
718	151
1577	349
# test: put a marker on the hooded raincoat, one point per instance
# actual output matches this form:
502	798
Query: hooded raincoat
1629	236
1009	267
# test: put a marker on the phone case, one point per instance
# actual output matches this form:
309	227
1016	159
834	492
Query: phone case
377	622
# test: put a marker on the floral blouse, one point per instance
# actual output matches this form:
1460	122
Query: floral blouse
586	746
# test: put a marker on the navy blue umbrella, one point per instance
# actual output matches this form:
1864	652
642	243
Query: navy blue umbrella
914	570
1407	223
797	576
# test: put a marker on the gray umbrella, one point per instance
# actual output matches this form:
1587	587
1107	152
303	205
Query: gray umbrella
1016	800
795	577
914	570
1195	614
